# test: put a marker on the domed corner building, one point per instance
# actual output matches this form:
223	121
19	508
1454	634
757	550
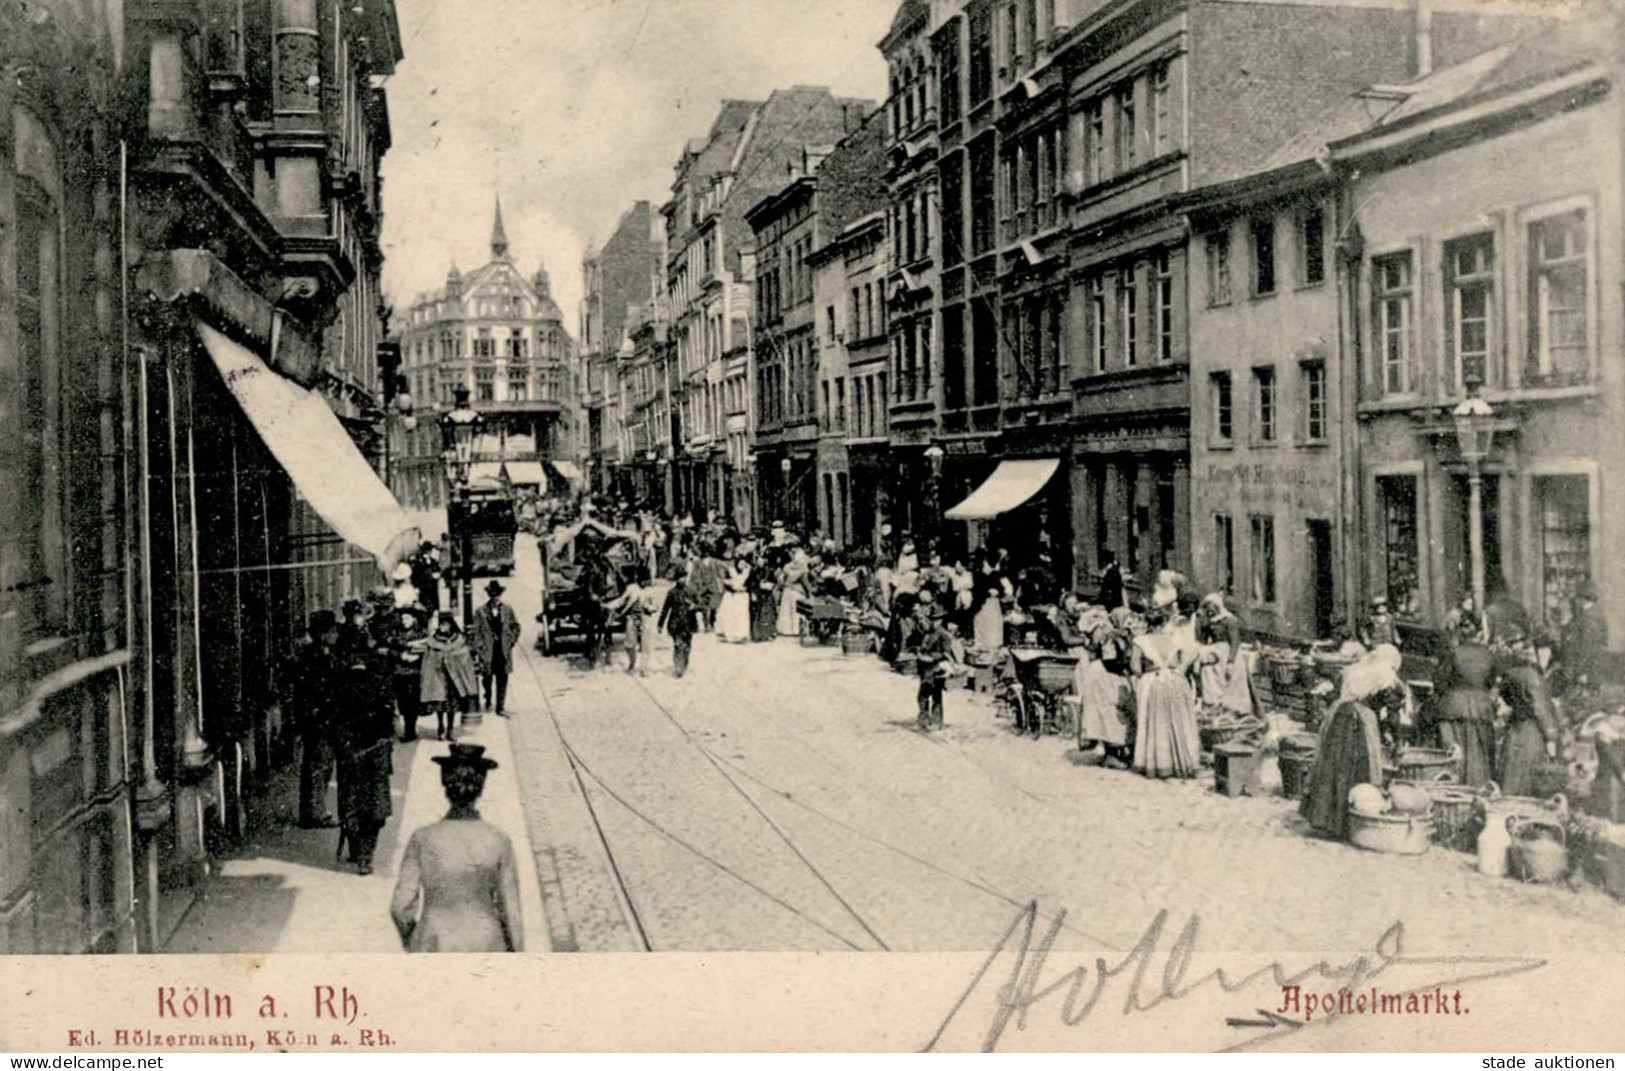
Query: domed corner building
498	333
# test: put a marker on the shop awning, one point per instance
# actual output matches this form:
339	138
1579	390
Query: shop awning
570	471
485	472
320	458
527	474
1011	484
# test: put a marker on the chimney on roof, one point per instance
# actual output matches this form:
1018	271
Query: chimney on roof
1424	37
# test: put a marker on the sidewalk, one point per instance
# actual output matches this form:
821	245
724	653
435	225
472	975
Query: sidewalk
285	892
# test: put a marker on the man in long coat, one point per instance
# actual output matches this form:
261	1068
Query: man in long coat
492	636
315	677
364	738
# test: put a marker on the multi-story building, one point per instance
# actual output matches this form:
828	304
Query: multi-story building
626	272
501	335
172	519
1483	226
748	154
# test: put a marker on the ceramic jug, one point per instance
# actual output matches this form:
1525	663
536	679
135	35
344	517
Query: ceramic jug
1493	845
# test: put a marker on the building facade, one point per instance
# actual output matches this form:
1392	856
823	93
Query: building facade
501	335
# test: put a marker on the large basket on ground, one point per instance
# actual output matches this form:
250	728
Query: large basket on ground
856	641
1295	756
1284	668
1427	763
1396	834
1453	806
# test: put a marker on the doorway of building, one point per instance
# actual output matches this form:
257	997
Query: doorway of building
1323	575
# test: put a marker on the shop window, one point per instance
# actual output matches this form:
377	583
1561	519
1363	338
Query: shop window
37	492
1263	559
1564	503
1218	268
1469	265
1312	375
1559	332
1392	279
1396	503
1263	237
1264	408
1311	246
1224	545
1224	424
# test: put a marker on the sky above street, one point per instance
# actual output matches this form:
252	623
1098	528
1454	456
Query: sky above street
574	109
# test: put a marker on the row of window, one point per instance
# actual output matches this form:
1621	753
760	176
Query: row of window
449	346
1558	311
1032	340
1309	233
911	228
1132	315
868	319
1313	405
1128	125
911	361
783	283
1034	176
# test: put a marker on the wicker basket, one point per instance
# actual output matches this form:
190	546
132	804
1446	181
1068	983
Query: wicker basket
1397	834
1284	671
1452	812
856	642
1295	768
1426	763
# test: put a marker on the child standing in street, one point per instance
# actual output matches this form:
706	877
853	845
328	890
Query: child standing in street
677	619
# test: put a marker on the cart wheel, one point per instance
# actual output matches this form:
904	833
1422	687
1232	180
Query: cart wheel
1022	708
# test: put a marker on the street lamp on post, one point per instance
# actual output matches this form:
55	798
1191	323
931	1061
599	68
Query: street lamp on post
1474	422
785	466
933	509
458	429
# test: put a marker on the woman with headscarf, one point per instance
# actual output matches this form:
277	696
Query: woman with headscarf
792	589
458	889
1106	708
733	612
1465	713
1224	675
1167	742
1350	748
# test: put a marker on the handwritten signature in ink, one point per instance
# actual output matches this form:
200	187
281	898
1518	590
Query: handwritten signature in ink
1075	993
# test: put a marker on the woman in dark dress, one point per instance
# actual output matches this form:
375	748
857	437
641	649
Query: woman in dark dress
1465	714
1350	749
764	607
1532	733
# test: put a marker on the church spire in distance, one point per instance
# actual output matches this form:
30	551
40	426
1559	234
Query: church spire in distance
499	236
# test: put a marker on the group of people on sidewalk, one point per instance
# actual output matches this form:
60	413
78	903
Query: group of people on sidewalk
386	657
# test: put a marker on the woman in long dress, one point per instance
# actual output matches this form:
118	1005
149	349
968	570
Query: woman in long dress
458	889
988	625
1532	736
1224	677
1167	742
1350	749
733	615
763	608
793	585
1466	712
1105	700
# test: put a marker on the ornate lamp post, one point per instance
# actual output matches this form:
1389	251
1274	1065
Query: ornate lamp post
785	465
458	429
1474	421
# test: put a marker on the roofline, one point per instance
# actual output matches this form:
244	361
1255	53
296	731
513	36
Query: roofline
1469	109
1260	185
772	201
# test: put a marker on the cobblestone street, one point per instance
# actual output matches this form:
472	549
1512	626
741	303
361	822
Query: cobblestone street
778	798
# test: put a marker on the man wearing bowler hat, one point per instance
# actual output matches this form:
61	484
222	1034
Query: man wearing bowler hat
492	637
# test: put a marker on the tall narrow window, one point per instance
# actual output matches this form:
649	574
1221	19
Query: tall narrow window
1313	376
948	74
1264	404
953	357
1469	265
1393	284
1126	130
1396	499
1224	548
1128	315
1051	359
1311	246
1218	268
983	205
1009	45
1224	410
984	353
953	209
1094	148
1564	503
1263	234
981	55
1162	134
1263	559
1097	323
1165	306
1557	298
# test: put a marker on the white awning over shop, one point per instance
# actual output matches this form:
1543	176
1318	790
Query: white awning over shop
1011	484
489	472
570	471
527	474
321	459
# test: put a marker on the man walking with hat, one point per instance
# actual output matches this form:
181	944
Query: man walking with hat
315	682
492	637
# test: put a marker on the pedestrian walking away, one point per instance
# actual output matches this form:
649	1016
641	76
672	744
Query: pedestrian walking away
677	620
458	889
491	639
364	738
